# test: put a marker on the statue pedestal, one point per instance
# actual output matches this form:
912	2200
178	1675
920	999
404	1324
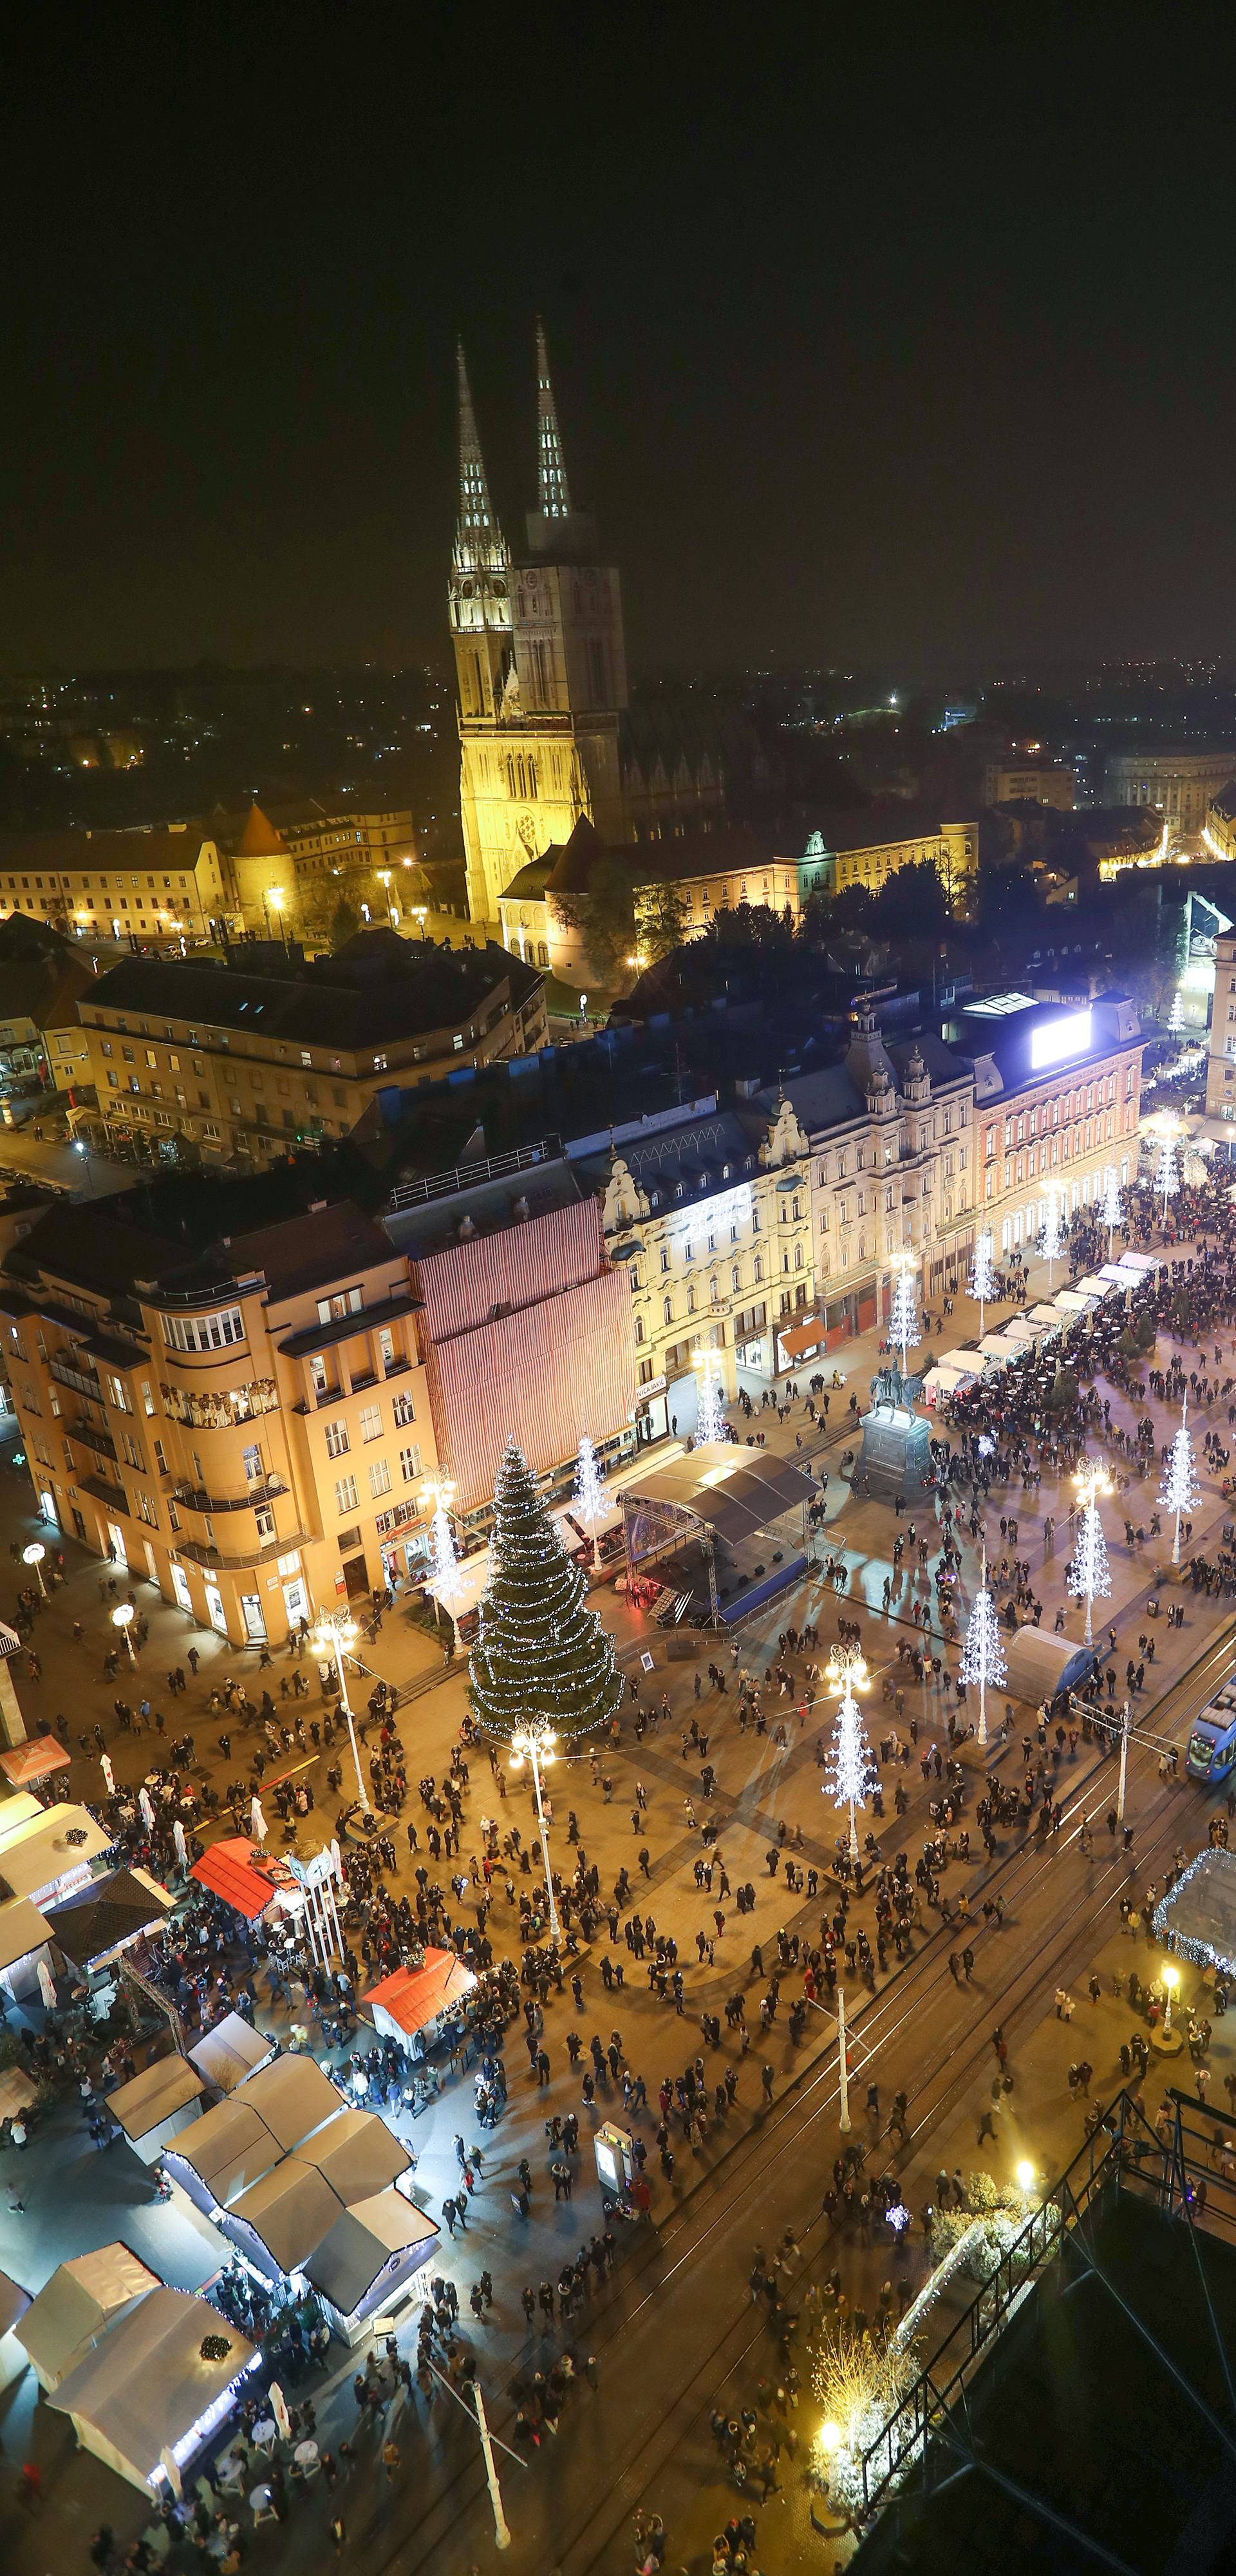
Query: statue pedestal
895	1458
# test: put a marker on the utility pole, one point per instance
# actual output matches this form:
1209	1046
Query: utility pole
502	2533
842	2069
1124	1760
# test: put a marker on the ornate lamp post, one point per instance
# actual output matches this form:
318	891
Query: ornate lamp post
34	1555
535	1745
122	1618
336	1633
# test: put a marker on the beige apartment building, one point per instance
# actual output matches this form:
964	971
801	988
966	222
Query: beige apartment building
1030	782
1057	1098
250	1430
242	1067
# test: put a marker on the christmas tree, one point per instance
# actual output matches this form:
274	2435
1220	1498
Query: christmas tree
710	1421
589	1498
1113	1204
982	1656
541	1653
1180	1491
850	1773
1087	1573
903	1321
982	1273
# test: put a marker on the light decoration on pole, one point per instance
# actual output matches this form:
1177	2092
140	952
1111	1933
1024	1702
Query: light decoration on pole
1051	1241
334	1636
34	1555
1087	1573
541	1656
1167	1169
122	1618
1180	1491
1175	1017
1113	1205
710	1421
437	1495
982	1655
850	1772
983	1274
589	1490
535	1746
903	1325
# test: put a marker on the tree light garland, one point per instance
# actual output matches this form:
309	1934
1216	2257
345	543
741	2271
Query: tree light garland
1167	1174
1113	1205
1051	1241
1088	1574
850	1772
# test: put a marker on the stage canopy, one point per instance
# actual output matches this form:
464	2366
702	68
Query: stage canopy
722	1487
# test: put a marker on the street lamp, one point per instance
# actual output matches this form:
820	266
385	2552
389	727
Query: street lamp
534	1744
34	1555
122	1618
334	1632
420	915
384	879
1171	1979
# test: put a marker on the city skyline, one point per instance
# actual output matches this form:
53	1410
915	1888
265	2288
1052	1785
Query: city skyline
856	358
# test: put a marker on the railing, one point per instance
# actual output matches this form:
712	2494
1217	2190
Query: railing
487	1167
91	1439
83	1381
264	1489
1124	2154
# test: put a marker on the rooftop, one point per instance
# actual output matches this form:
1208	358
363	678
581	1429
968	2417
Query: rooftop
375	991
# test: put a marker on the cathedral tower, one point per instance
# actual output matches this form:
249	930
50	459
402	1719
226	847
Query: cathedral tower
541	666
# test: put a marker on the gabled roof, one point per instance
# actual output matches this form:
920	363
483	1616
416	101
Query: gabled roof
259	839
291	2208
347	2262
292	2096
73	2306
145	2384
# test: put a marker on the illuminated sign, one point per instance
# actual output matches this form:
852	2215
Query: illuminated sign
1060	1038
727	1207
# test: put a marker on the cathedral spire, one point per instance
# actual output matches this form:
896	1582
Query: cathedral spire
555	499
479	544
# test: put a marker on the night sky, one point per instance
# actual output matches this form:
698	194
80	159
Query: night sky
889	348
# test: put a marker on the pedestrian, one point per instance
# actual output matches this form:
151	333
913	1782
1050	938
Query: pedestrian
338	2527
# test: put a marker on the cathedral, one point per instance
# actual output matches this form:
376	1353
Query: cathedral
547	734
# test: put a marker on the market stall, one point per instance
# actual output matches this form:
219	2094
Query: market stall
420	2006
153	2107
230	2051
160	2379
77	2305
14	2303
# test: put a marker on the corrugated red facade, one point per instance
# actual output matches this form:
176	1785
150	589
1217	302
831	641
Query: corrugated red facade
558	1361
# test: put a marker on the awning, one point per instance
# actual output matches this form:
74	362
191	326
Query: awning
33	1760
233	1870
414	1997
802	1338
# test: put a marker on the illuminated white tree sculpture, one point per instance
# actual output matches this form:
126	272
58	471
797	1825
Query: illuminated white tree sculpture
1088	1573
982	1273
1052	1239
1113	1205
903	1326
1167	1172
850	1772
1180	1491
982	1656
710	1421
445	1556
589	1493
1175	1017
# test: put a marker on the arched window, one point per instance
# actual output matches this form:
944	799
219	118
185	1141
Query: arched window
691	1298
798	1256
735	1278
668	1310
758	1270
639	1328
542	953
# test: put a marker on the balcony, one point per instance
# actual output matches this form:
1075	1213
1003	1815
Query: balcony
198	1552
83	1381
112	1497
90	1438
194	1498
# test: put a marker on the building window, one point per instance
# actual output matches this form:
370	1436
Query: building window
404	1410
204	1332
337	1441
379	1478
345	1494
371	1422
410	1463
